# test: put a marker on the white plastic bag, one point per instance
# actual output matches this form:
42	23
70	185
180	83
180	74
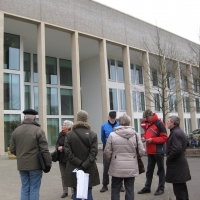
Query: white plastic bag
82	184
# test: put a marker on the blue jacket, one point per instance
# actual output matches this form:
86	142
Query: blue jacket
106	129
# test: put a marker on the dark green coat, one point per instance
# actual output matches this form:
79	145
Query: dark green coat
25	143
78	154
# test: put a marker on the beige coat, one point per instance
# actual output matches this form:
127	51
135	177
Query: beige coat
26	141
120	152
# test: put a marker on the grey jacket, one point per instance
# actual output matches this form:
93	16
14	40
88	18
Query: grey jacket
120	152
26	141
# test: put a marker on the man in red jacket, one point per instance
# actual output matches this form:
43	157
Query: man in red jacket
155	136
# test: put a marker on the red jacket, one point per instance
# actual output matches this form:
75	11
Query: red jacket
156	130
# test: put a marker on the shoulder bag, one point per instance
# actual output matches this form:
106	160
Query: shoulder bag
54	156
140	163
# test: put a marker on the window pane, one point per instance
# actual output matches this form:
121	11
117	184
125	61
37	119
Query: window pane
27	97
11	51
136	125
141	103
7	129
132	74
27	67
134	101
154	77
35	70
36	98
156	102
51	71
12	92
66	102
113	99
65	72
111	70
120	71
52	101
197	105
52	131
139	77
122	100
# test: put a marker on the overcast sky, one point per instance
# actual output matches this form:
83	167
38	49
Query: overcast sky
181	17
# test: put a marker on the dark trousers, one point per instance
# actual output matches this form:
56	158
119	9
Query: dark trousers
116	186
152	160
105	172
180	191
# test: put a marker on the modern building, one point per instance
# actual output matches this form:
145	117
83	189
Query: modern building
60	56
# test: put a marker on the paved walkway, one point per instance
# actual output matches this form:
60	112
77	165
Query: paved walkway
51	184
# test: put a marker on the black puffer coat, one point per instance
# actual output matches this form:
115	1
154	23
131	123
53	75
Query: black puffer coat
78	154
177	165
60	142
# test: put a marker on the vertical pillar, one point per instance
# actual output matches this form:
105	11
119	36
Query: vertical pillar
191	97
41	76
147	80
1	84
179	94
104	79
127	77
75	73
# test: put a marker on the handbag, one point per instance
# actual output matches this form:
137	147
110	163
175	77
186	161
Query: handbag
54	156
140	163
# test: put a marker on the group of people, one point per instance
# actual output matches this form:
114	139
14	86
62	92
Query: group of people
120	141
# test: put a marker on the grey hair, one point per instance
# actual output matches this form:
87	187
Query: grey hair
29	117
68	124
176	120
124	120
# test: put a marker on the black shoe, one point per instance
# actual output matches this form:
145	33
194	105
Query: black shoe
122	189
104	188
144	190
64	195
158	192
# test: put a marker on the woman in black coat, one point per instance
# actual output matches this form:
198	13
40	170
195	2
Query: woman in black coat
177	172
66	127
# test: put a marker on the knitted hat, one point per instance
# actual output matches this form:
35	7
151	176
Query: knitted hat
82	116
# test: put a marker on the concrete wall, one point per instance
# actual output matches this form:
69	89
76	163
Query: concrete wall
91	93
92	18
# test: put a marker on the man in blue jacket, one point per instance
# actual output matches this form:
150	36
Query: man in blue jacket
106	129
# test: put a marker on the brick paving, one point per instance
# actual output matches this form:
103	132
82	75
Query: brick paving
51	183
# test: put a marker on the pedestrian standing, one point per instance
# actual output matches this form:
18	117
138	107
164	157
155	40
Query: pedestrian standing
177	171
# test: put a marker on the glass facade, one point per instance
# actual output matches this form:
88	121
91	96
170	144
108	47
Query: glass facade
27	97
11	51
66	102
120	71
51	71
12	92
8	118
65	72
113	99
27	67
111	70
122	100
53	130
52	101
35	70
139	75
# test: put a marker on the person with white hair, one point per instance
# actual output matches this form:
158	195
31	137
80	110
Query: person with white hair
120	152
66	127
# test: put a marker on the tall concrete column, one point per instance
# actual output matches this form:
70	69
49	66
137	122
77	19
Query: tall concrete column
104	79
179	94
191	98
2	146
75	73
42	110
147	80
127	78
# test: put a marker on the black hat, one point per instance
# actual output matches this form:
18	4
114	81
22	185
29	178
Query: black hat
112	114
30	112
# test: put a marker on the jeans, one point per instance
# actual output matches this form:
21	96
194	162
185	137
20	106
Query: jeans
89	194
152	160
31	181
116	186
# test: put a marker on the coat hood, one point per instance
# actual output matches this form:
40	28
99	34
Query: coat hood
80	124
125	131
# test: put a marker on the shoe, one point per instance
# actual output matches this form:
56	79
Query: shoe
104	188
144	190
64	195
122	189
158	192
72	197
